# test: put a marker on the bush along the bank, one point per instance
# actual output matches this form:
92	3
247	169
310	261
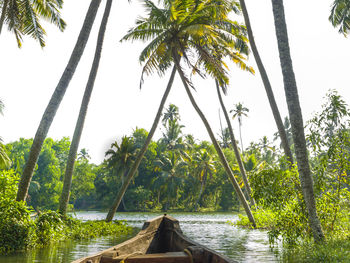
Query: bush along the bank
18	231
50	226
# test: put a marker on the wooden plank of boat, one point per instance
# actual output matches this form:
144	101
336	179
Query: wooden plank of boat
160	240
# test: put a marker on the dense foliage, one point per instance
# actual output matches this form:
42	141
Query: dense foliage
176	173
179	172
277	190
19	230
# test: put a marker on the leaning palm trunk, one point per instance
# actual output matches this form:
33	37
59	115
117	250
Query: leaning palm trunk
267	85
296	119
235	148
55	101
140	155
216	145
64	200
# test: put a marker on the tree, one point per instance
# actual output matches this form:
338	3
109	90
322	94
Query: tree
296	119
55	100
235	148
173	171
176	29
23	17
142	151
267	85
172	113
204	167
239	112
340	16
122	158
83	112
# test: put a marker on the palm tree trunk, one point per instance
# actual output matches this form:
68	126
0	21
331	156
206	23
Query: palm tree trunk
3	14
296	119
216	145
55	101
267	85
140	155
64	200
240	132
235	148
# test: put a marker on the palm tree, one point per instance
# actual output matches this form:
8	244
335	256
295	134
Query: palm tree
340	16
204	166
172	113
239	112
122	158
55	100
296	119
23	17
267	85
142	151
173	172
64	199
182	27
235	148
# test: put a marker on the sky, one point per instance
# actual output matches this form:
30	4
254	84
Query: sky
28	77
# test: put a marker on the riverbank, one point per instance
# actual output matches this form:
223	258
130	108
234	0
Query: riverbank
209	229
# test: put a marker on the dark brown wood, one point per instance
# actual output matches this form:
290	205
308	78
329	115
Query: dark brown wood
160	240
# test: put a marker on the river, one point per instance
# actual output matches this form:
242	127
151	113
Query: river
209	229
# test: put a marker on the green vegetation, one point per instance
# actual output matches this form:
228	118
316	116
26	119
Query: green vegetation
297	203
278	193
19	231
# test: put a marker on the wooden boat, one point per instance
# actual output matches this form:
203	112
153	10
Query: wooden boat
160	240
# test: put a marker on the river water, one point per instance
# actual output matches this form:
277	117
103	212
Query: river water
209	229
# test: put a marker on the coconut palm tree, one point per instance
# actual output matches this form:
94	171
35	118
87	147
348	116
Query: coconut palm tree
172	113
296	119
55	100
173	171
64	199
239	112
204	167
340	16
23	17
267	85
235	148
122	158
181	29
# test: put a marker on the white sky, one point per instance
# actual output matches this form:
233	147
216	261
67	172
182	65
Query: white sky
28	77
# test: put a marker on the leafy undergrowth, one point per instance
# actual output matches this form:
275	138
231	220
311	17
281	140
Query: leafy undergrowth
21	232
330	251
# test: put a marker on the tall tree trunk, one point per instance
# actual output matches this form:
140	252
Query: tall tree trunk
296	119
267	85
55	101
140	155
240	132
235	148
216	144
3	14
64	200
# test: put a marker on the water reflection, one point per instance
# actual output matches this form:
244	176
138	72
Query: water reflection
209	229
